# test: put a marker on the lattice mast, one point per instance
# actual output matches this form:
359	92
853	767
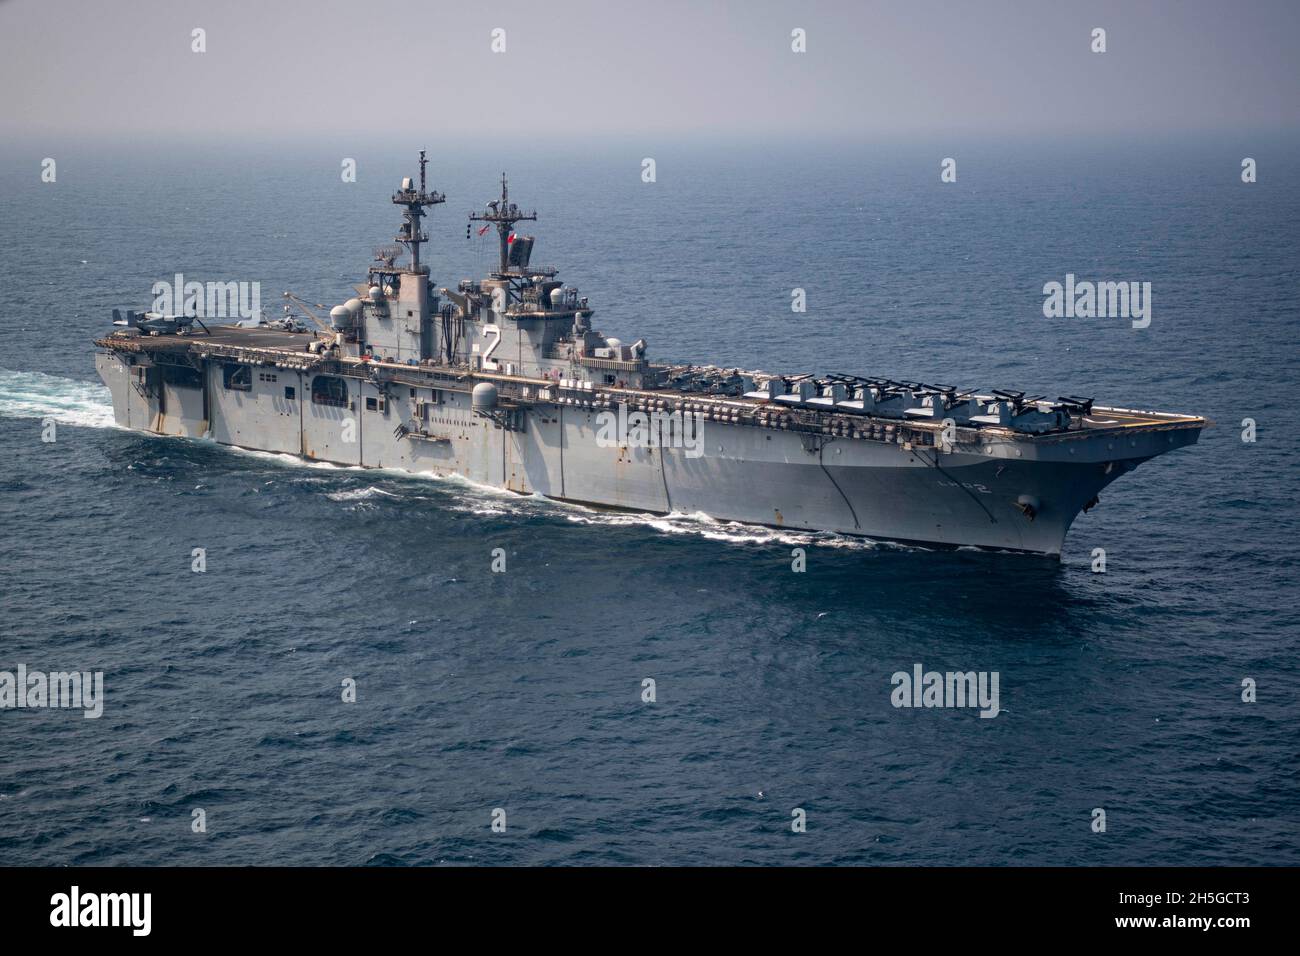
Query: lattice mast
414	201
504	214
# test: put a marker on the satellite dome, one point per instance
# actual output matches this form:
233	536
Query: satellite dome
376	294
484	395
353	305
340	317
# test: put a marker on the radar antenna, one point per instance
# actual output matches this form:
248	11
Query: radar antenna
505	214
388	254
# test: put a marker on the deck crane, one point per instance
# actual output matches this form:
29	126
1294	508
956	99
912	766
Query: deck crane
307	307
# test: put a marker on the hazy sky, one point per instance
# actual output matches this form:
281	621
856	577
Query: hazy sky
280	68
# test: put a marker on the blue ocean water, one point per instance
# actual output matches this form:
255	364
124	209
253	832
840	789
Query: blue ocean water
522	690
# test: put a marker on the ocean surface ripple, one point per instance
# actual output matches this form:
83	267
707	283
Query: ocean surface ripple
523	690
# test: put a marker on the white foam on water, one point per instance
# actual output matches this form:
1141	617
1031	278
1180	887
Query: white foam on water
360	494
728	532
67	401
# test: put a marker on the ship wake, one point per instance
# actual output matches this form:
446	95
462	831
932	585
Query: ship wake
730	532
65	400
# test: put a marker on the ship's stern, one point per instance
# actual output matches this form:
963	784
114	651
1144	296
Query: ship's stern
121	379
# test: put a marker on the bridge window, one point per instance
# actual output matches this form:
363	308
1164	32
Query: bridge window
237	377
329	390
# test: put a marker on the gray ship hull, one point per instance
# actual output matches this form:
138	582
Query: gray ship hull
971	495
503	381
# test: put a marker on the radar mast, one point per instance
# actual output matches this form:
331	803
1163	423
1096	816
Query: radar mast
505	214
411	235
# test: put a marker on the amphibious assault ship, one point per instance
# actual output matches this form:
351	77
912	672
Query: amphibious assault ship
503	381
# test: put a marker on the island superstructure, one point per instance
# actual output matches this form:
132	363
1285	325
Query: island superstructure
504	381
